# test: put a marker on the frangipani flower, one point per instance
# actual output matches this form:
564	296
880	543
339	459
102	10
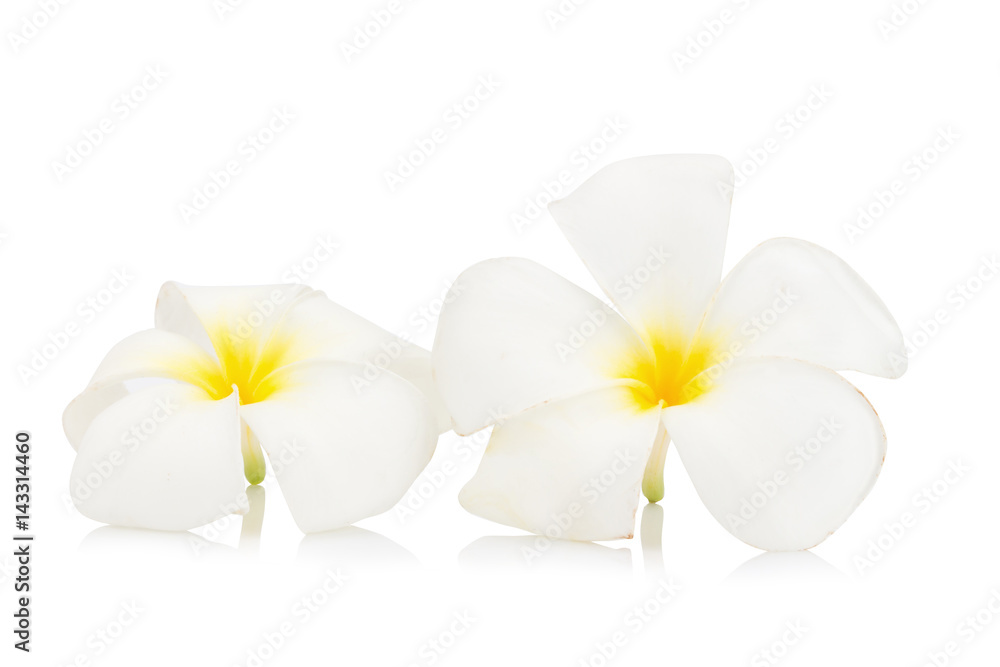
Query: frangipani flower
345	411
780	448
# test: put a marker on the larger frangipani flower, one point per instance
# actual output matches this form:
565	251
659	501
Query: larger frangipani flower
176	416
585	400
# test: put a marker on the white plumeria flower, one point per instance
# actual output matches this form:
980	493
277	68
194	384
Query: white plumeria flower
780	448
346	412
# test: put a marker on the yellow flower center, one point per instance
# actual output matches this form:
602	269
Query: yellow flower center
667	371
246	362
666	374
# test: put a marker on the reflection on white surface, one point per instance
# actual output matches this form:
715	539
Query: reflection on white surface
651	537
253	520
185	544
355	549
538	553
158	544
785	566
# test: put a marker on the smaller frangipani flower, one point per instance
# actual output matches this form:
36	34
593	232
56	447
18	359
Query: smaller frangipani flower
739	375
176	416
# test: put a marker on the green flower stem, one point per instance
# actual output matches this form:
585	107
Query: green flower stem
652	479
254	467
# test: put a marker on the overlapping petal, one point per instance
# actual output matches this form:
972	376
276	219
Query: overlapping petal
791	298
364	425
569	469
780	451
220	318
755	419
515	334
153	353
342	451
166	457
652	231
270	326
326	330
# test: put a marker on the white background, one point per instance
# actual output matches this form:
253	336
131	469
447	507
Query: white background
209	600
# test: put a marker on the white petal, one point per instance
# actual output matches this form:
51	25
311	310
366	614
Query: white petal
342	448
147	354
790	298
780	451
92	401
211	315
276	325
166	457
325	330
515	334
652	231
415	366
571	469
